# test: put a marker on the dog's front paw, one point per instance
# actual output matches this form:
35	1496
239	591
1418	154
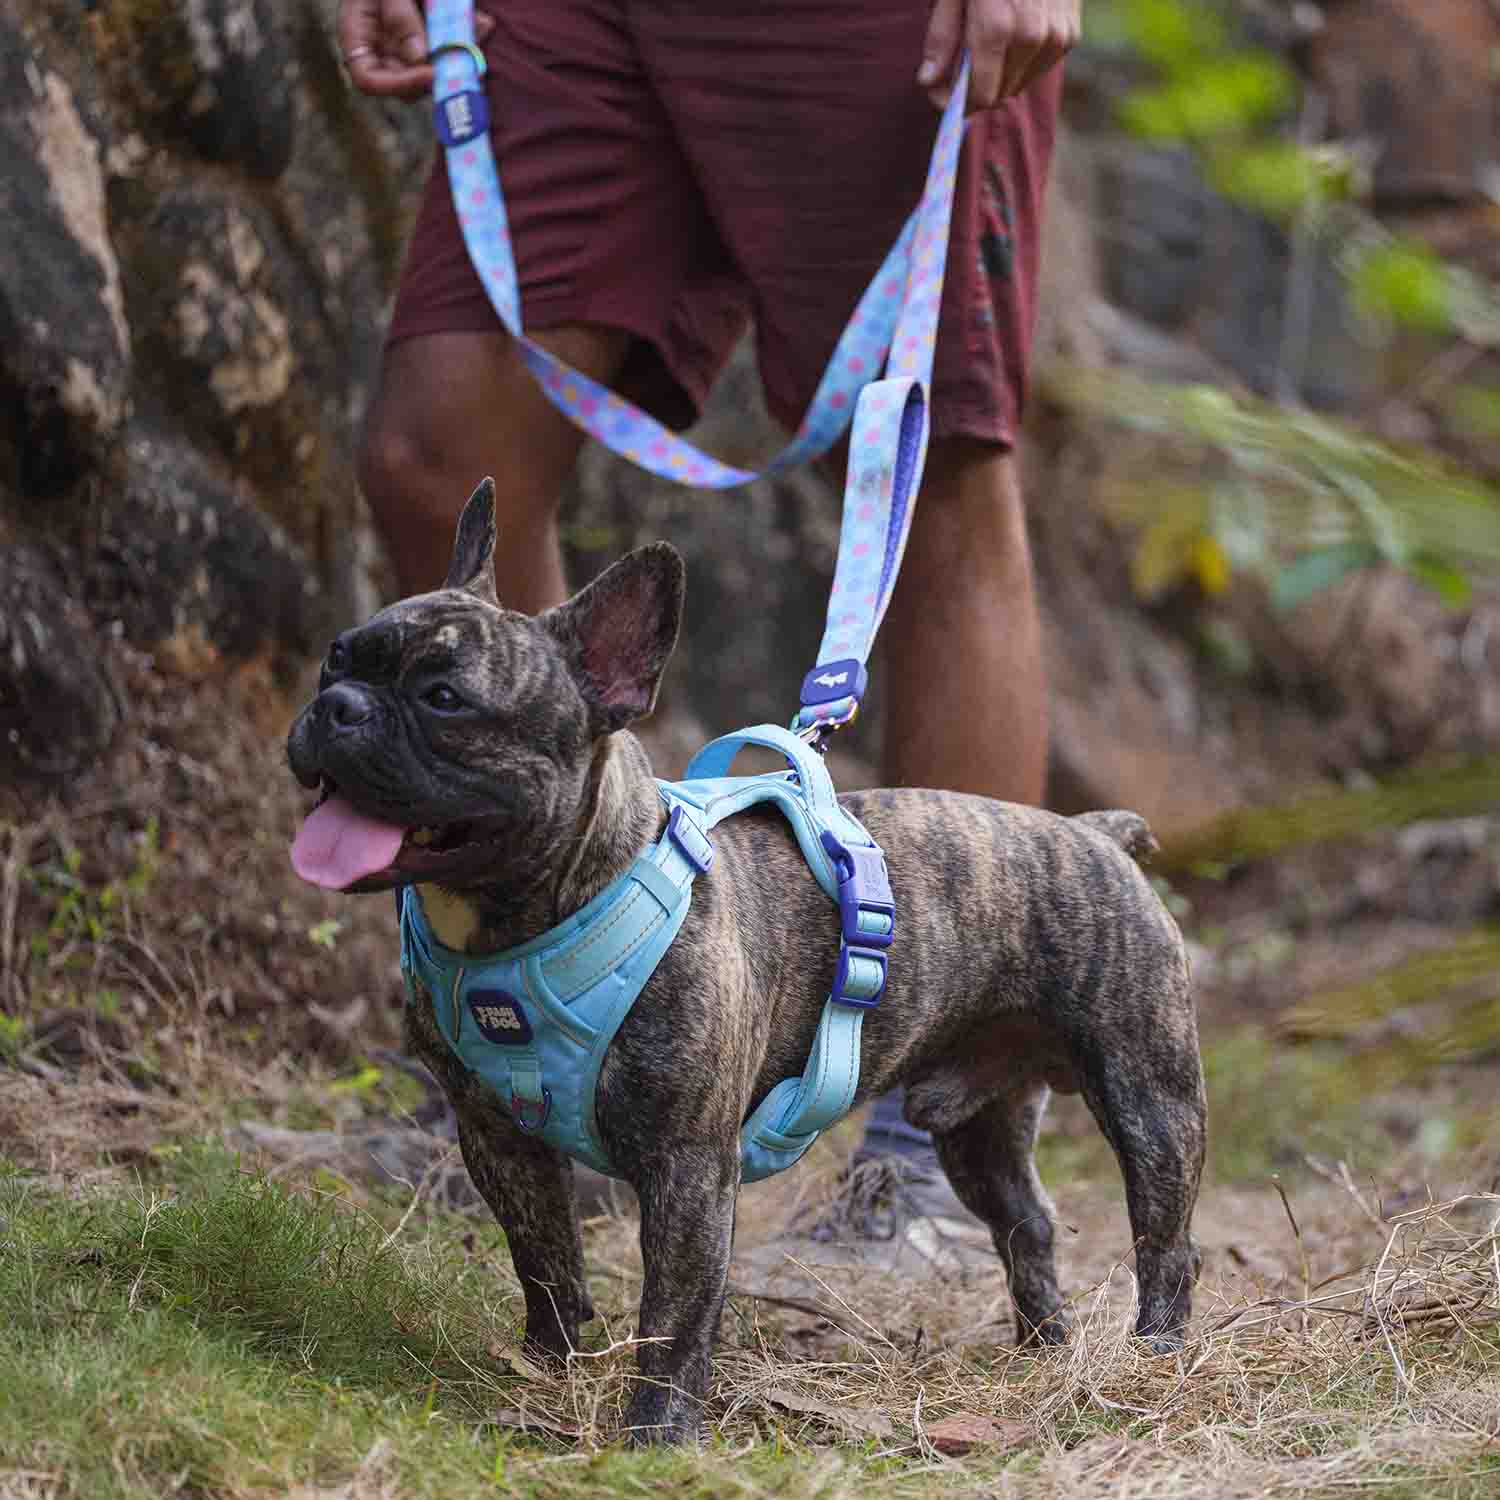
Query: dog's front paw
660	1414
1049	1332
548	1342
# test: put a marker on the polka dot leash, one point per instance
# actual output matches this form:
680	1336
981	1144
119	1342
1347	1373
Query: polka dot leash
893	328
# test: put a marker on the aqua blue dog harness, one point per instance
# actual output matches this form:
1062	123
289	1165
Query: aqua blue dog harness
534	1021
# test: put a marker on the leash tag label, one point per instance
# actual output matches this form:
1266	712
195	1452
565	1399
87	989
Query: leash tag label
500	1017
829	681
462	116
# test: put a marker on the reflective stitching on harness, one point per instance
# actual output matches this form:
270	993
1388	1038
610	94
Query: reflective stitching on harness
601	930
614	961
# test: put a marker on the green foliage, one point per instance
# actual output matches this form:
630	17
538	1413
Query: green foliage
13	1033
1360	503
325	934
1463	789
1169	33
1474	411
1277	1104
1405	281
1296	499
1278	177
1216	97
83	912
1210	90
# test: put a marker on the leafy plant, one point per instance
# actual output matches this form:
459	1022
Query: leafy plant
1238	485
85	912
1294	498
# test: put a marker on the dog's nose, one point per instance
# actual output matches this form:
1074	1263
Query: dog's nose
346	705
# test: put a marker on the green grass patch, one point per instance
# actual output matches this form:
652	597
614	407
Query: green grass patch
1272	1102
235	1334
232	1336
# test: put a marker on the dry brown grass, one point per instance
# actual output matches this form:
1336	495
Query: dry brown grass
1390	1362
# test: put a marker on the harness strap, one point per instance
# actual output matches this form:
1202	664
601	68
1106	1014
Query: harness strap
848	864
581	977
620	935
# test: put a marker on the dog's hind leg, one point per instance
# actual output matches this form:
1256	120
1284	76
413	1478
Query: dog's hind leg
687	1233
989	1161
1150	1105
529	1188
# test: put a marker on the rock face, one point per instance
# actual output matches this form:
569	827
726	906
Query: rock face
66	374
1415	80
202	230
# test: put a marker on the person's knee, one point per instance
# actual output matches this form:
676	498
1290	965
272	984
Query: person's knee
970	513
407	475
390	465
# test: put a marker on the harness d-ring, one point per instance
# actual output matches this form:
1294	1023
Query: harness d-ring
518	1107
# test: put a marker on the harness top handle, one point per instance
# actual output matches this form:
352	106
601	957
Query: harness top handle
893	327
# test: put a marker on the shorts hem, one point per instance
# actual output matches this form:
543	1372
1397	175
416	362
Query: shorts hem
670	390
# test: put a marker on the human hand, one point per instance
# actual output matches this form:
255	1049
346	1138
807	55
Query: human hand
1010	42
384	43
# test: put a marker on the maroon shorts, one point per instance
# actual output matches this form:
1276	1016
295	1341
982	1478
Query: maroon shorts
676	167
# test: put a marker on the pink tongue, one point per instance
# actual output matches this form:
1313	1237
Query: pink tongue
337	846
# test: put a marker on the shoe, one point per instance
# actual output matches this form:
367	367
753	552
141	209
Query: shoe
891	1213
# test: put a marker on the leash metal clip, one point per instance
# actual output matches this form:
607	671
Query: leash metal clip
830	695
464	115
475	55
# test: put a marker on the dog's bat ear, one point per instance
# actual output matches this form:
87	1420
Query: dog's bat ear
473	565
619	631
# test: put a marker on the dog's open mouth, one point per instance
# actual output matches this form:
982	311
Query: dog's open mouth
339	847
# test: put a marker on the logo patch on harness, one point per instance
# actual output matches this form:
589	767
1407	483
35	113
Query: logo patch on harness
500	1017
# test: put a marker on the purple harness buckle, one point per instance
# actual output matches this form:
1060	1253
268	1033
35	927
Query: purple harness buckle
859	980
690	839
867	909
867	922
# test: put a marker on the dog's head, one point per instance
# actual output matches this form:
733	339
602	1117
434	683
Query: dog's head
451	738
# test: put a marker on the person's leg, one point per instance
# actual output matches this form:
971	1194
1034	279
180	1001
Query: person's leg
453	407
961	674
962	679
621	272
961	670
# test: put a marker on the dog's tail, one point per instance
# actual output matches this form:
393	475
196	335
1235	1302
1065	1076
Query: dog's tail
1129	830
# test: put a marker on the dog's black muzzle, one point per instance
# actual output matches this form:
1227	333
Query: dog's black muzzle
342	716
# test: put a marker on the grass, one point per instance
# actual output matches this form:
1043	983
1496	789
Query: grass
206	1331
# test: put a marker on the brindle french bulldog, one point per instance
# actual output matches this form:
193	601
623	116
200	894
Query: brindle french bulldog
483	756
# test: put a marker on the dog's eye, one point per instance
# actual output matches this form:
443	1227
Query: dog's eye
442	697
338	657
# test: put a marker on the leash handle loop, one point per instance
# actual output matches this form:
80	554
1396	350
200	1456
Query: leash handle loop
893	327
